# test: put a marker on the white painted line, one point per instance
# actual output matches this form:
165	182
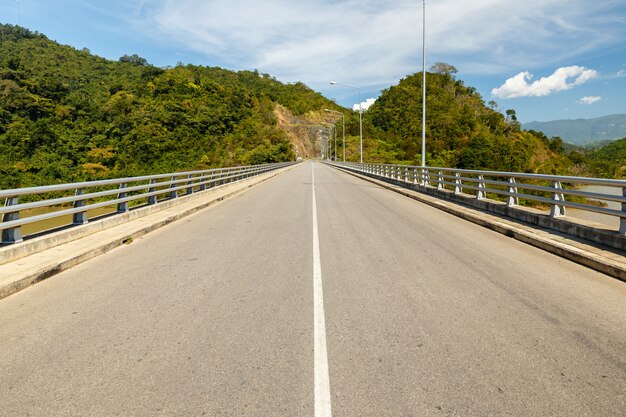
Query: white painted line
322	379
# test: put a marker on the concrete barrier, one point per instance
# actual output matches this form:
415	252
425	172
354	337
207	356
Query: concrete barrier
26	263
526	225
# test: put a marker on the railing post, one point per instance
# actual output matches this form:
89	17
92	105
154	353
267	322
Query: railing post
81	216
201	180
415	176
406	174
173	193
123	206
14	234
622	220
458	184
152	199
426	178
440	180
512	200
189	182
481	194
556	209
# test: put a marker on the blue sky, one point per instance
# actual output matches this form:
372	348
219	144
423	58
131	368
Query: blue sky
547	59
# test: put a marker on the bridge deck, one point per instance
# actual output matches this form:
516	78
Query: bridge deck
425	314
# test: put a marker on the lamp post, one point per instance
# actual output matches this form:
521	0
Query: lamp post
343	117
360	116
330	136
335	130
424	83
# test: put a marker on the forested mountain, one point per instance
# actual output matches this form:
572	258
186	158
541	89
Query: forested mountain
461	131
609	161
67	115
584	131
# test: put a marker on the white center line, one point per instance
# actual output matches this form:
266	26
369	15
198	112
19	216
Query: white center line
322	379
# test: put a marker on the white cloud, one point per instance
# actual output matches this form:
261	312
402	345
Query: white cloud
589	100
365	104
372	43
621	73
563	79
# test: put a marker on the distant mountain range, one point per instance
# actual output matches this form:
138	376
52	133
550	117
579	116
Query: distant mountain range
583	131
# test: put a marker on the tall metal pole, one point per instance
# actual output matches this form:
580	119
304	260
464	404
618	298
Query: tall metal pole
335	130
360	115
329	138
424	83
361	126
343	119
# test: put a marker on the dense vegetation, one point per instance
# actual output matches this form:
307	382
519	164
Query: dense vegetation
608	161
464	132
461	130
67	115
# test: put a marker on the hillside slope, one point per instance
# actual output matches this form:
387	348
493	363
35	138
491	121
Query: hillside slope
67	115
461	131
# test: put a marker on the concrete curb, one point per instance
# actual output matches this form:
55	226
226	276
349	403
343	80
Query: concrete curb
53	260
545	239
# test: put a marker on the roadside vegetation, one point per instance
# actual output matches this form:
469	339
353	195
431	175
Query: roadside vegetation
67	115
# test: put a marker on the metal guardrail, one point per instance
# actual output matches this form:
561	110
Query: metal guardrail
551	190
119	192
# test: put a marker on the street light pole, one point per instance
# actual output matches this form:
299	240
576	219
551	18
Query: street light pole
424	83
360	115
343	118
335	130
330	136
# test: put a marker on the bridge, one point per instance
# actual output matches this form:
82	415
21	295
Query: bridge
315	290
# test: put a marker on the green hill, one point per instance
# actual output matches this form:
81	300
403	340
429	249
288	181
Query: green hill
67	115
461	131
609	161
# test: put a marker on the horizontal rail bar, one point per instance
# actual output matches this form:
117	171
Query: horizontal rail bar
587	194
89	184
562	178
475	180
149	189
71	199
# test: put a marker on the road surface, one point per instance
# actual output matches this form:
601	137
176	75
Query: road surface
412	312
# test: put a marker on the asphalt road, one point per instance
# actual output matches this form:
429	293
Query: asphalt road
425	315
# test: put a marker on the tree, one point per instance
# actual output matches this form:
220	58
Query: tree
511	116
134	59
443	68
